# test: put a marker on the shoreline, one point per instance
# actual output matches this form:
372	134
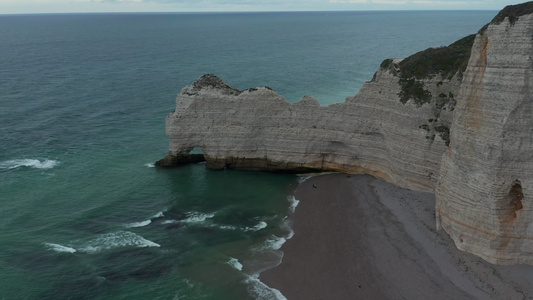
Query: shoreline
358	237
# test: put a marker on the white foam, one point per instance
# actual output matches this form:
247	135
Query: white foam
257	227
196	217
293	202
301	179
261	291
235	263
228	227
138	224
59	248
287	226
115	240
169	222
158	215
150	165
27	162
272	243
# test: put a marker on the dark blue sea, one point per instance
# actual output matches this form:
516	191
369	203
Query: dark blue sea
83	100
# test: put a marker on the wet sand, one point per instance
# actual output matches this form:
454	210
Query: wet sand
358	237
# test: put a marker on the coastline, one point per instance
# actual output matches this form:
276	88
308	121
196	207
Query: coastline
358	237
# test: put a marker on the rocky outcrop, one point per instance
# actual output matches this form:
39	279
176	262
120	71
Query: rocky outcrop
256	129
455	120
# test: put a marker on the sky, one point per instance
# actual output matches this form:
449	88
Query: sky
91	6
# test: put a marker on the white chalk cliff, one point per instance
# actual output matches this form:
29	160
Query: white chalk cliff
466	134
485	191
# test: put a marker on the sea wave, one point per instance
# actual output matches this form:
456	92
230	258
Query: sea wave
197	217
158	215
272	243
169	222
116	240
261	291
302	179
138	224
228	227
259	226
150	165
293	202
235	263
28	162
59	248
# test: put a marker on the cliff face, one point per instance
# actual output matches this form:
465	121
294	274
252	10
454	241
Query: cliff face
422	123
486	184
257	129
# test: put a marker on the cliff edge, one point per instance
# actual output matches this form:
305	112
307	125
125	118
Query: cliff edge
455	120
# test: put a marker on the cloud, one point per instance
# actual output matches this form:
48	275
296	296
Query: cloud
52	6
211	2
393	2
347	1
438	2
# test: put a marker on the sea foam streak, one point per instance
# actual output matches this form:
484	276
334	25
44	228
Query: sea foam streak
115	240
26	162
257	227
302	179
196	217
138	224
59	248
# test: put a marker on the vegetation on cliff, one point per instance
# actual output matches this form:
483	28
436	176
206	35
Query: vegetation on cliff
444	61
513	12
413	89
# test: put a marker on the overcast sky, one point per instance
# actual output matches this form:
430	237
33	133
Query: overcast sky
63	6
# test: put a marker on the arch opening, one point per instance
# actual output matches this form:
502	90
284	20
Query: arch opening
197	155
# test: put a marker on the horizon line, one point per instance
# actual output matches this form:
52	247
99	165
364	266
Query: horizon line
244	12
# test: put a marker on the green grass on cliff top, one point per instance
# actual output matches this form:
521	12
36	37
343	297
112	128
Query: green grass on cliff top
446	61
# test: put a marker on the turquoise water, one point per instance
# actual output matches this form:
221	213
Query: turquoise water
83	98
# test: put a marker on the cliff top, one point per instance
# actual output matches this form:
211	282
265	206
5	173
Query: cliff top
210	80
446	61
513	12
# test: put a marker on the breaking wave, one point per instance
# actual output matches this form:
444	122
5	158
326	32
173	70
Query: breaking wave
293	202
59	248
116	240
27	162
158	215
262	291
138	224
257	227
235	263
196	217
302	179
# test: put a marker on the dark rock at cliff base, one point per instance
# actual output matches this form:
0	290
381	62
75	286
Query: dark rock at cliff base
171	161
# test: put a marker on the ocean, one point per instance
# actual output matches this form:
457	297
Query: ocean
83	100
